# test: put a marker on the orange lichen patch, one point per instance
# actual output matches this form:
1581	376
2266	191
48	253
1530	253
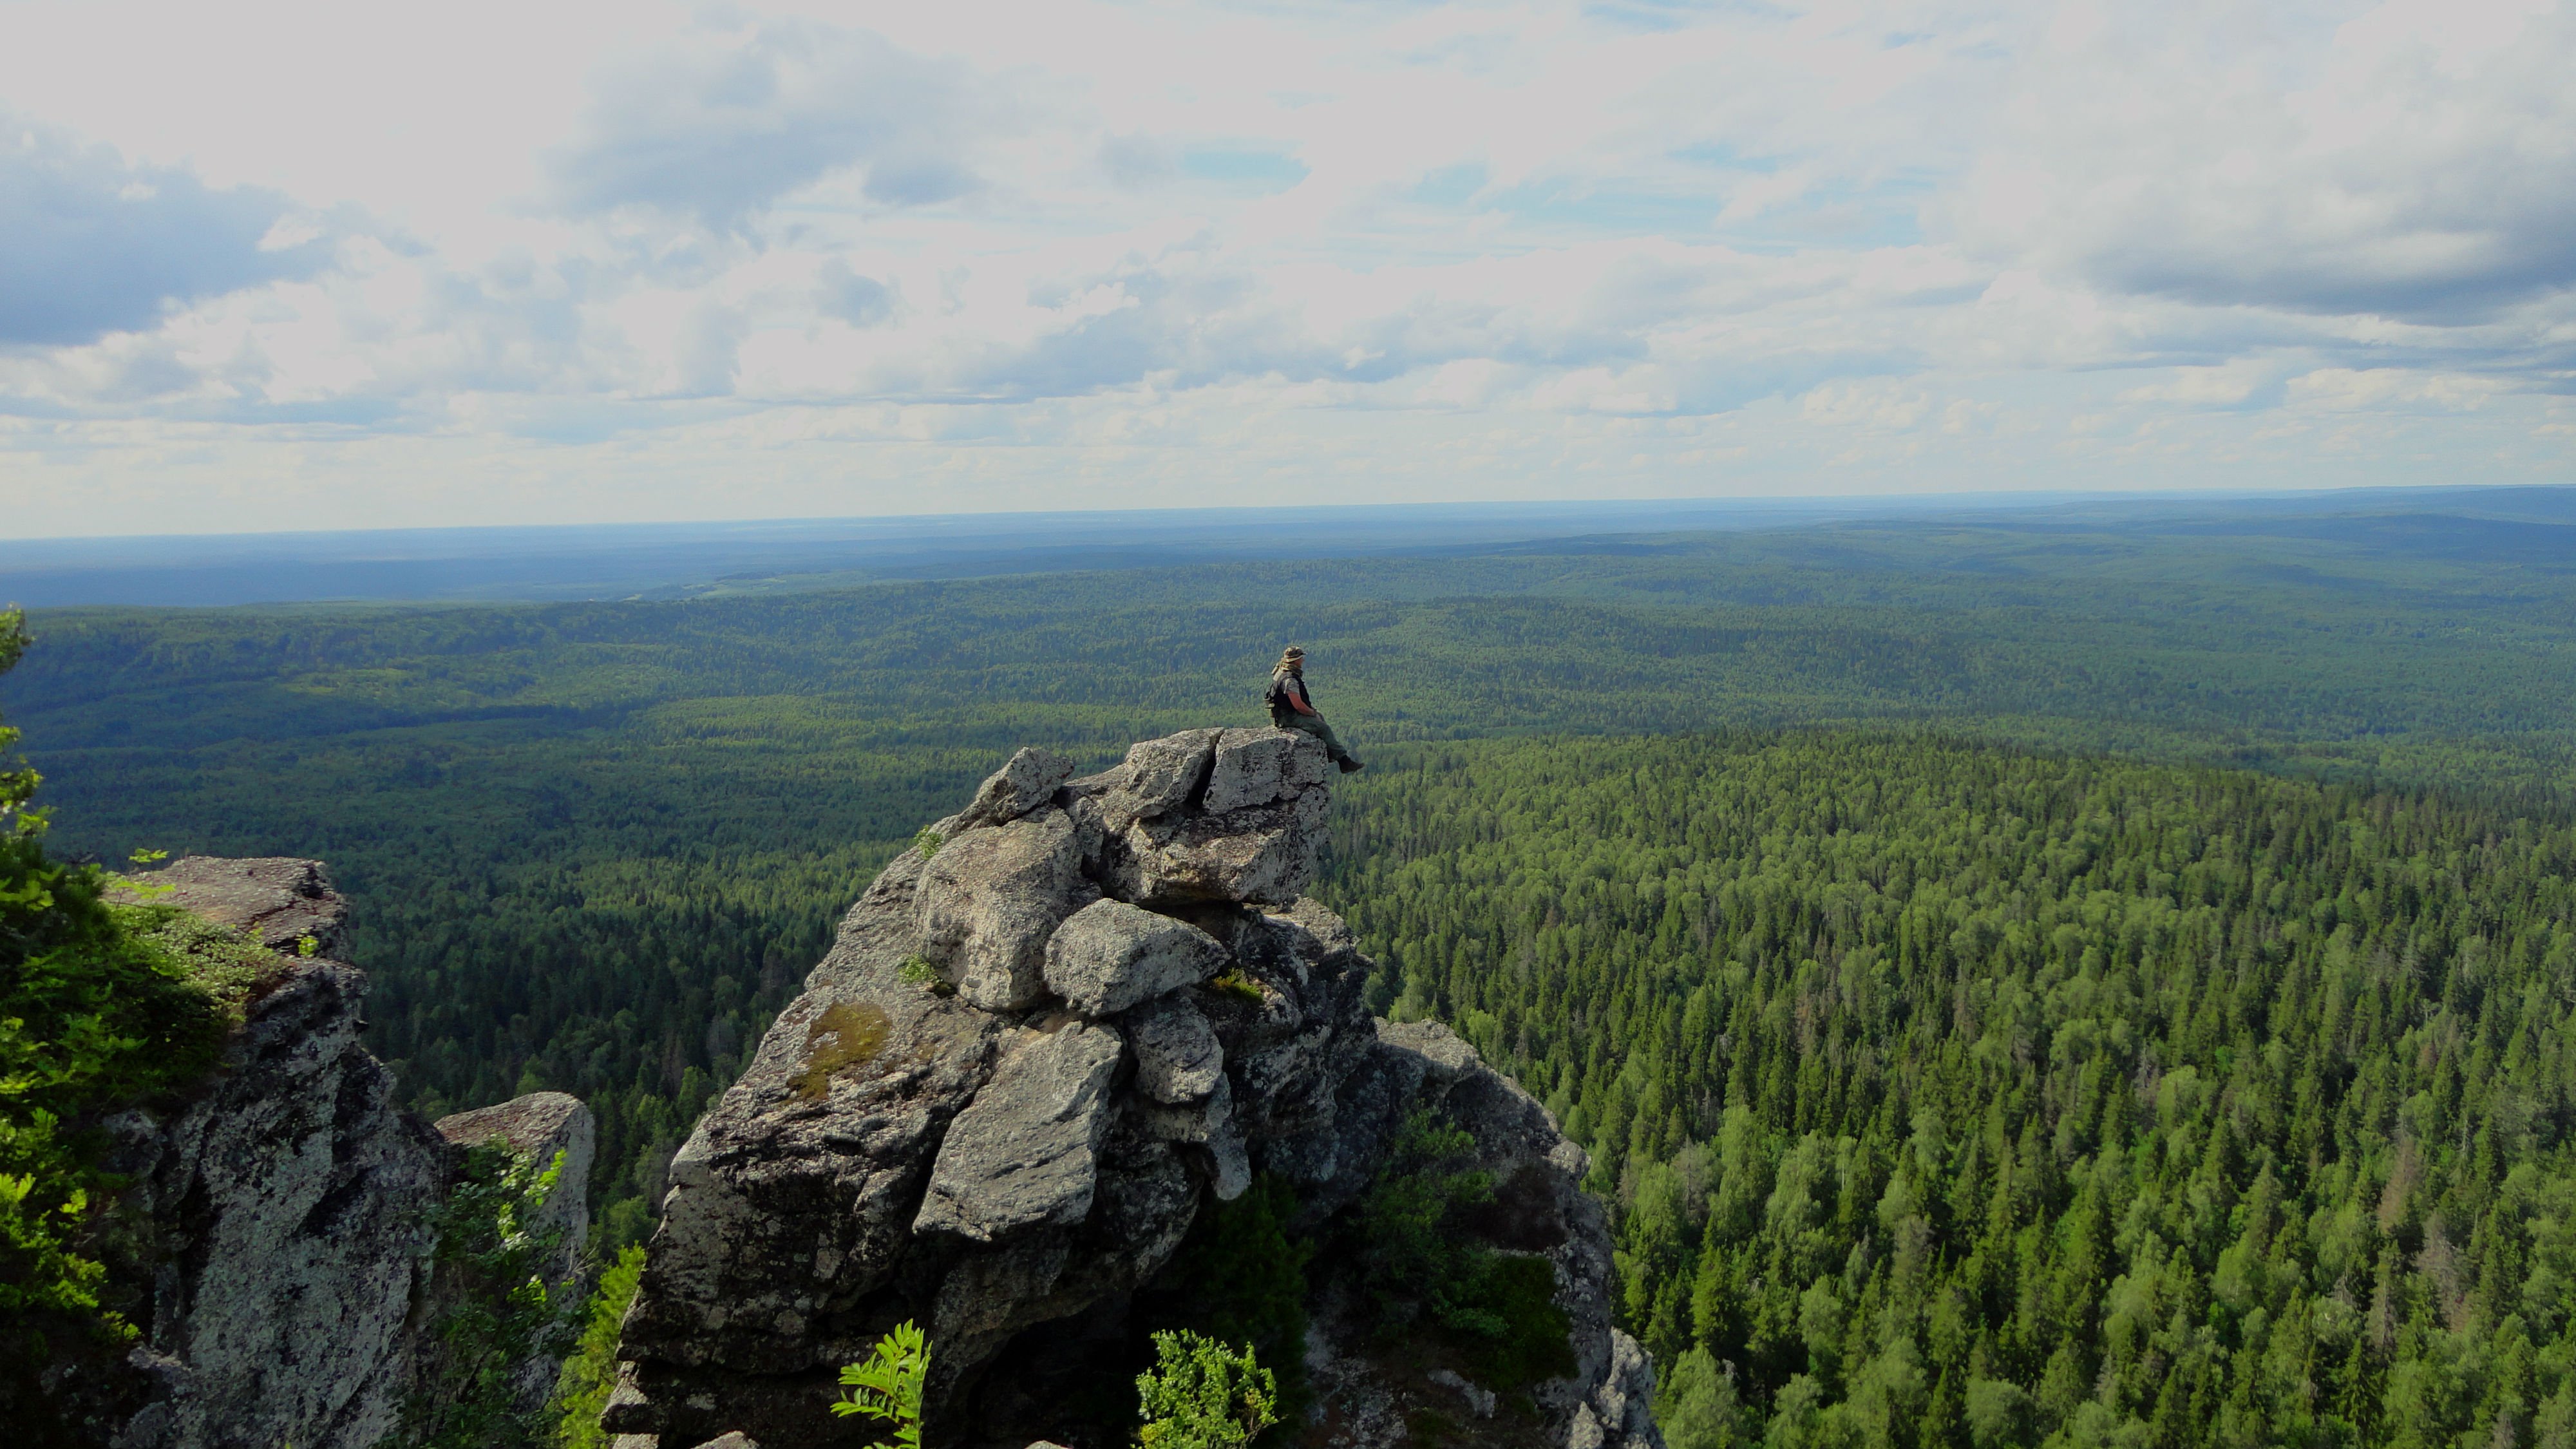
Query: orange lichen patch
847	1034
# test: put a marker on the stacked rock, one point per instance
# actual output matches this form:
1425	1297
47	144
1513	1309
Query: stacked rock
1039	1041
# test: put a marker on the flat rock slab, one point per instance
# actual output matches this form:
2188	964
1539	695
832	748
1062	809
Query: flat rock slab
1026	1153
281	901
988	901
1110	956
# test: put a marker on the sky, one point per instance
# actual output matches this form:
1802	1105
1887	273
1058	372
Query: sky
284	266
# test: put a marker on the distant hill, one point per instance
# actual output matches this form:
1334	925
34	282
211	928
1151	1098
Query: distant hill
679	560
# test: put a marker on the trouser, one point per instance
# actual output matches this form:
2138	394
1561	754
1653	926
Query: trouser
1313	724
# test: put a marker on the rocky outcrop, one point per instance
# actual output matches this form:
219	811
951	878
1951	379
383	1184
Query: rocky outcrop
1037	1048
284	1213
545	1127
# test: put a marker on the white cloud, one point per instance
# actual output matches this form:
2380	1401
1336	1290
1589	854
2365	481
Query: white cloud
721	123
2417	160
95	244
988	254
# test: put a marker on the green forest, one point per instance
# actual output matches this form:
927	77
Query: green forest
2075	984
1961	1095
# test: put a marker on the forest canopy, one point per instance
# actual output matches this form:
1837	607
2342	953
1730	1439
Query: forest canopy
1959	1095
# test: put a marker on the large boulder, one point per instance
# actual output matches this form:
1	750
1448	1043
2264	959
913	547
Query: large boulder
1158	777
1262	767
1110	956
1027	781
989	901
1026	1153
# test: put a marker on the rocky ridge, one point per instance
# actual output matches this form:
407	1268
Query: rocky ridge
1037	1047
286	1207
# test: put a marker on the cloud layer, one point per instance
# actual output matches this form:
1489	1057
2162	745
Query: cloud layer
646	262
95	245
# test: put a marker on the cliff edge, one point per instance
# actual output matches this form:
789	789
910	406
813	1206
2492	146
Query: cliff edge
282	1215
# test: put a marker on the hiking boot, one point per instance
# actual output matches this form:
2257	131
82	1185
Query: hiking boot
1352	767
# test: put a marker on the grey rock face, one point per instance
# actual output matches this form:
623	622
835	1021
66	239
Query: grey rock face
1110	955
1208	1134
291	1202
1620	1413
1157	778
1010	1165
989	899
1028	781
1261	854
1262	767
1177	1055
295	1198
1026	1153
793	1201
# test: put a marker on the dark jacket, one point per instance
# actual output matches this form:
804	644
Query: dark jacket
1282	685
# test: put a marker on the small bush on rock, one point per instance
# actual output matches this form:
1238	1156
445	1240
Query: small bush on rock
494	1236
591	1373
1201	1394
918	971
1422	1263
103	1003
886	1385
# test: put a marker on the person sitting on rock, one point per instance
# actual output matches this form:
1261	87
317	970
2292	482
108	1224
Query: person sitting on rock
1291	708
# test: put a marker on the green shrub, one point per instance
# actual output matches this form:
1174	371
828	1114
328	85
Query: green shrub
101	1005
495	1241
887	1384
581	1395
1416	1260
1201	1394
1421	1263
928	842
1241	1278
